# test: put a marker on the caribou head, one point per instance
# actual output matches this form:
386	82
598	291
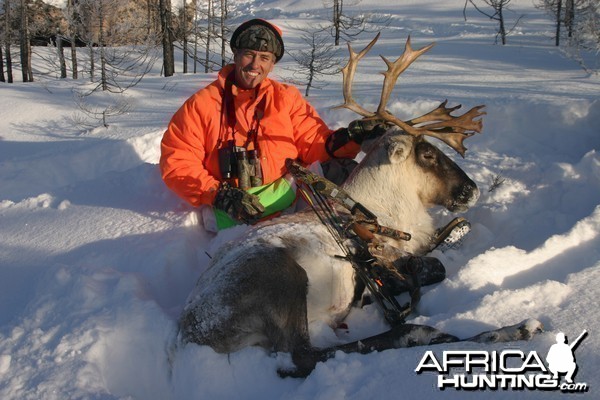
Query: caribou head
403	165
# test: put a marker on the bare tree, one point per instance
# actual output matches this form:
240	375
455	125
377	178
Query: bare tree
100	110
184	34
585	39
497	181
84	24
2	77
25	42
167	38
196	33
344	24
570	16
121	66
581	20
209	31
565	13
124	55
498	8
61	56
8	40
209	27
102	10
555	9
558	20
190	29
152	17
223	31
203	32
318	57
73	23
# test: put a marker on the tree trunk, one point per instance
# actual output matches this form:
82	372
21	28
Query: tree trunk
148	17
92	61
208	36
7	40
570	16
558	21
167	41
73	23
501	21
223	39
184	33
2	78
74	65
61	56
336	20
9	74
26	70
195	2
103	78
89	24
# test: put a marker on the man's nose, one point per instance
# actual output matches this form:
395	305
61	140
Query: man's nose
254	62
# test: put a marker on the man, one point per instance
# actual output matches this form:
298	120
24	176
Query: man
226	146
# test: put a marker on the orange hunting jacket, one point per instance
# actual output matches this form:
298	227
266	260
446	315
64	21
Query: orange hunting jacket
289	128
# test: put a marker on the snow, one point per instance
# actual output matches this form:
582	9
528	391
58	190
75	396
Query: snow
97	256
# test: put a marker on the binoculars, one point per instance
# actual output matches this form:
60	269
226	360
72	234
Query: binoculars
237	162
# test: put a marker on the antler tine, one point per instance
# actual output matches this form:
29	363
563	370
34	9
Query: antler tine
395	69
438	123
348	78
441	113
448	128
447	122
445	127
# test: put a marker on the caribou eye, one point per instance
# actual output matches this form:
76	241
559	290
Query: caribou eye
427	155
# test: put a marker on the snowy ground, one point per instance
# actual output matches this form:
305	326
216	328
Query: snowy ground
97	257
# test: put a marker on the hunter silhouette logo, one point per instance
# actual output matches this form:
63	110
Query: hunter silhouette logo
509	369
560	357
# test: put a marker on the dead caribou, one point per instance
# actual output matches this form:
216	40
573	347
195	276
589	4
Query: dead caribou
269	288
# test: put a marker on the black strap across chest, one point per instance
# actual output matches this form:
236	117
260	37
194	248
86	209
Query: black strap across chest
228	100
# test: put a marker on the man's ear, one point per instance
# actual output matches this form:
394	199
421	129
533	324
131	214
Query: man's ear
398	148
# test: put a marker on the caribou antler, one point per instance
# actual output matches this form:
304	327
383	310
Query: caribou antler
438	123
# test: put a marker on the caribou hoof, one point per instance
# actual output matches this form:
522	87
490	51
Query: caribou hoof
305	360
524	330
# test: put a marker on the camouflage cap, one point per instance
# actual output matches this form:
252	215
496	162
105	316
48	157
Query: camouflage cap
259	35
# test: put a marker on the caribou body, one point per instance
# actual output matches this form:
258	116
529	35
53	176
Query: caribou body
283	278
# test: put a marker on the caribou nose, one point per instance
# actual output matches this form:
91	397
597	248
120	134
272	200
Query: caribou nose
474	190
466	197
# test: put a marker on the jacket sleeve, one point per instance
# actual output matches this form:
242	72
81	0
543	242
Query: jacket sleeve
183	156
311	132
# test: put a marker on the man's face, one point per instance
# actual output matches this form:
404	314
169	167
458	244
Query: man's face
252	67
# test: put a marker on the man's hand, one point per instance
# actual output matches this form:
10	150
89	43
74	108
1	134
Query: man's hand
362	129
238	204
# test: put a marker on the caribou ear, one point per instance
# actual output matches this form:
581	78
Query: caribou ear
398	149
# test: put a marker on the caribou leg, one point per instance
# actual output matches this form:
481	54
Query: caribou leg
410	335
524	330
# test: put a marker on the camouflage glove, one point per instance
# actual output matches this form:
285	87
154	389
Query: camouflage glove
238	204
362	129
357	131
